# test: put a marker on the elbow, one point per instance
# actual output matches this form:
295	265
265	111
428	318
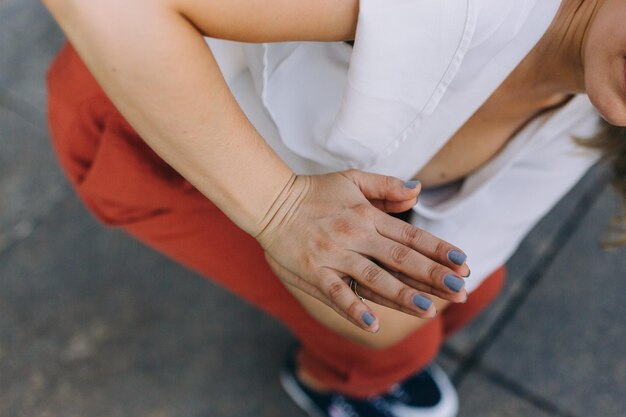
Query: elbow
54	4
58	7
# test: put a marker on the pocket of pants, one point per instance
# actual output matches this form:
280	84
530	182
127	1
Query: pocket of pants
126	182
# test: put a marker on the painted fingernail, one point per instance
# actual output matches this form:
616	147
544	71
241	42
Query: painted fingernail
422	302
411	184
457	257
368	318
453	283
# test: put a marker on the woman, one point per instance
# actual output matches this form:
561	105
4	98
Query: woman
491	167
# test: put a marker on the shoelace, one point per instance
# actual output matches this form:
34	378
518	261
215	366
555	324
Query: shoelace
339	407
381	405
399	393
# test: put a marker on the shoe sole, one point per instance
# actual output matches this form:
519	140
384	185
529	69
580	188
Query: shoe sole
449	406
298	396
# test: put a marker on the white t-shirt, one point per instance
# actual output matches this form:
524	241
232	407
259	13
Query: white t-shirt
418	71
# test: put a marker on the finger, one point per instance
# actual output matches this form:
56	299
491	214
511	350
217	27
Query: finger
301	284
345	302
308	288
425	310
461	296
393	206
371	276
333	296
295	281
423	242
432	275
383	187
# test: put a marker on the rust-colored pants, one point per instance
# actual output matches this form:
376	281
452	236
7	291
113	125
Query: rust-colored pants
125	184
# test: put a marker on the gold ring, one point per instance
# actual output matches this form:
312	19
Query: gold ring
353	285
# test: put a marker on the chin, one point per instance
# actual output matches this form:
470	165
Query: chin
614	118
611	107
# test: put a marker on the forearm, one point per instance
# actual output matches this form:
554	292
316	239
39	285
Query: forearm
273	20
155	66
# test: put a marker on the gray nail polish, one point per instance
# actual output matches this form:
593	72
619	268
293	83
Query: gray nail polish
411	184
457	257
454	283
368	318
422	302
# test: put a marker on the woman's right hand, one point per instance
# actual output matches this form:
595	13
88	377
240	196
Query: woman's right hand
325	229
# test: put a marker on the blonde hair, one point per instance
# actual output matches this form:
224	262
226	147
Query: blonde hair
611	141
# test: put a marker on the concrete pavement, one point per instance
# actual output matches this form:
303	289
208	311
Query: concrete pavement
93	323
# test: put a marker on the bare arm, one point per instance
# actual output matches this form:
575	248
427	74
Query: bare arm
151	59
273	21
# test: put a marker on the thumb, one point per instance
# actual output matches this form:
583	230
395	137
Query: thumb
383	187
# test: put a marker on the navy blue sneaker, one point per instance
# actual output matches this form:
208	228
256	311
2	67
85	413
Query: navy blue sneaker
428	393
331	404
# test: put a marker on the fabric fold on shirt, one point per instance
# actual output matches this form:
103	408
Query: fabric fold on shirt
344	107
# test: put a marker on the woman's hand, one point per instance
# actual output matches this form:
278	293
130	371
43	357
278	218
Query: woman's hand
326	229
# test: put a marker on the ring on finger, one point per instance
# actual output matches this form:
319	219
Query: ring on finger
353	285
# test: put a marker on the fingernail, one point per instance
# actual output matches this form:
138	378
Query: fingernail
457	257
368	318
411	184
453	283
422	302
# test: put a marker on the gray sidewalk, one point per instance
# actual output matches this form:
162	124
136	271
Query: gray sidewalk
94	324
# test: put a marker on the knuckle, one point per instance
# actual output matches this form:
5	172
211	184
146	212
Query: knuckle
335	289
400	254
324	245
372	274
308	262
353	310
411	234
362	210
441	249
404	293
342	226
345	227
432	272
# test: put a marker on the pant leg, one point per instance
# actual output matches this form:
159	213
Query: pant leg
457	316
125	184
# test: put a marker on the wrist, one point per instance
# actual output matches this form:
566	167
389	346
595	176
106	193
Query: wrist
282	208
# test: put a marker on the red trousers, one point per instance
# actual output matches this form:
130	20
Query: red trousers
125	184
